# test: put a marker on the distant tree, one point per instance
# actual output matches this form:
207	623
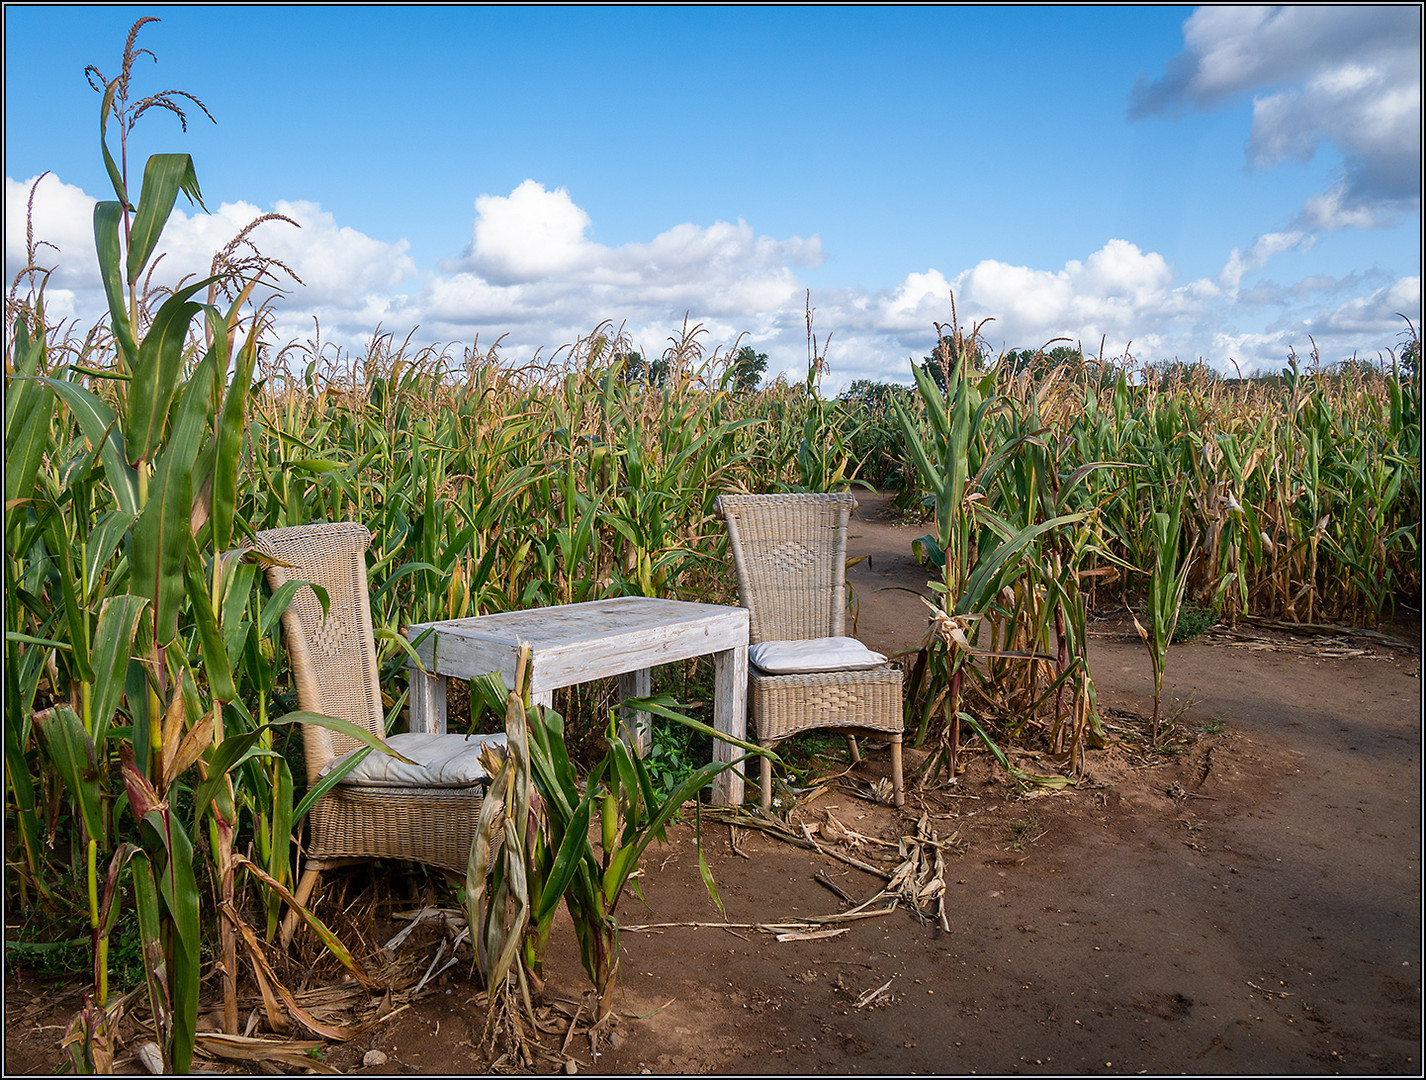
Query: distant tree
634	367
947	357
637	369
1182	371
871	434
1358	367
1040	362
746	370
1408	360
875	397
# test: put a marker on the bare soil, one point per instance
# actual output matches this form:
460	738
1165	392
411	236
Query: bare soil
1248	904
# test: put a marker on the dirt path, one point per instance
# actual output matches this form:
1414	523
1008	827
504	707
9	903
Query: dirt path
1265	920
1252	905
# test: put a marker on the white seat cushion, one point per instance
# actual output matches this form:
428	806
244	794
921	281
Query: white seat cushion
814	654
441	761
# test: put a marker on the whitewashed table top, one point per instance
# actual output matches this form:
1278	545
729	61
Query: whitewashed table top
577	642
570	623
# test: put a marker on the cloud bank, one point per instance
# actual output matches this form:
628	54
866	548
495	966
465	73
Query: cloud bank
531	274
1344	77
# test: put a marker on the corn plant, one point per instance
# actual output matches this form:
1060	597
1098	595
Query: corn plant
1166	590
1009	542
545	814
128	531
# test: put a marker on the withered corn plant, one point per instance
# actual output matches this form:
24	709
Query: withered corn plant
1013	530
533	850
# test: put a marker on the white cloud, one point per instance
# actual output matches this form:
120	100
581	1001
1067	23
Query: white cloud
528	235
1264	248
347	277
532	265
1372	319
733	281
1346	76
63	231
1116	292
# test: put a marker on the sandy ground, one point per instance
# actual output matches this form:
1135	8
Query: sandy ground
1249	905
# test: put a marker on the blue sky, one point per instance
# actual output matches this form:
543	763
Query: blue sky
1222	183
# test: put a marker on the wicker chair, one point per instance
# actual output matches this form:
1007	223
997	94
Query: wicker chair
334	664
790	553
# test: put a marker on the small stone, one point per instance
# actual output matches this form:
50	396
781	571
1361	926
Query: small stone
570	1068
372	1058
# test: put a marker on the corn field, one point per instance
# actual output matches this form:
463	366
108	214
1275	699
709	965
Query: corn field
147	703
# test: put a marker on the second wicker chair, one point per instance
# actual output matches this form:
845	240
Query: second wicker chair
790	552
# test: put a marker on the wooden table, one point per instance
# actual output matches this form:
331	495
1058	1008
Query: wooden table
576	643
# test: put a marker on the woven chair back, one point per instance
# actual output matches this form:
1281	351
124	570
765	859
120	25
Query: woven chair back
790	552
333	656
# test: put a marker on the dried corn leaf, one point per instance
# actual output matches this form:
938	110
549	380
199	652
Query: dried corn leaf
813	935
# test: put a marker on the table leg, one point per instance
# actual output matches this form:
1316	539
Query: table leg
427	701
636	727
730	716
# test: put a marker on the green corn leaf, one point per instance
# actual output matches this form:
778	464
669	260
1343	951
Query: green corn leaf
164	176
665	706
72	751
113	644
29	408
626	859
179	890
166	841
216	665
574	850
97	422
316	465
161	535
107	216
22	789
115	176
155	375
76	618
282	596
404	571
103	541
646	787
987	578
238	581
928	472
229	443
1050	781
402	645
146	910
326	783
280	828
160	542
704	870
342	727
222	760
628	784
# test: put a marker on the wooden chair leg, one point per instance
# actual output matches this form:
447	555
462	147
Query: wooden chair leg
766	785
898	795
853	751
304	892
